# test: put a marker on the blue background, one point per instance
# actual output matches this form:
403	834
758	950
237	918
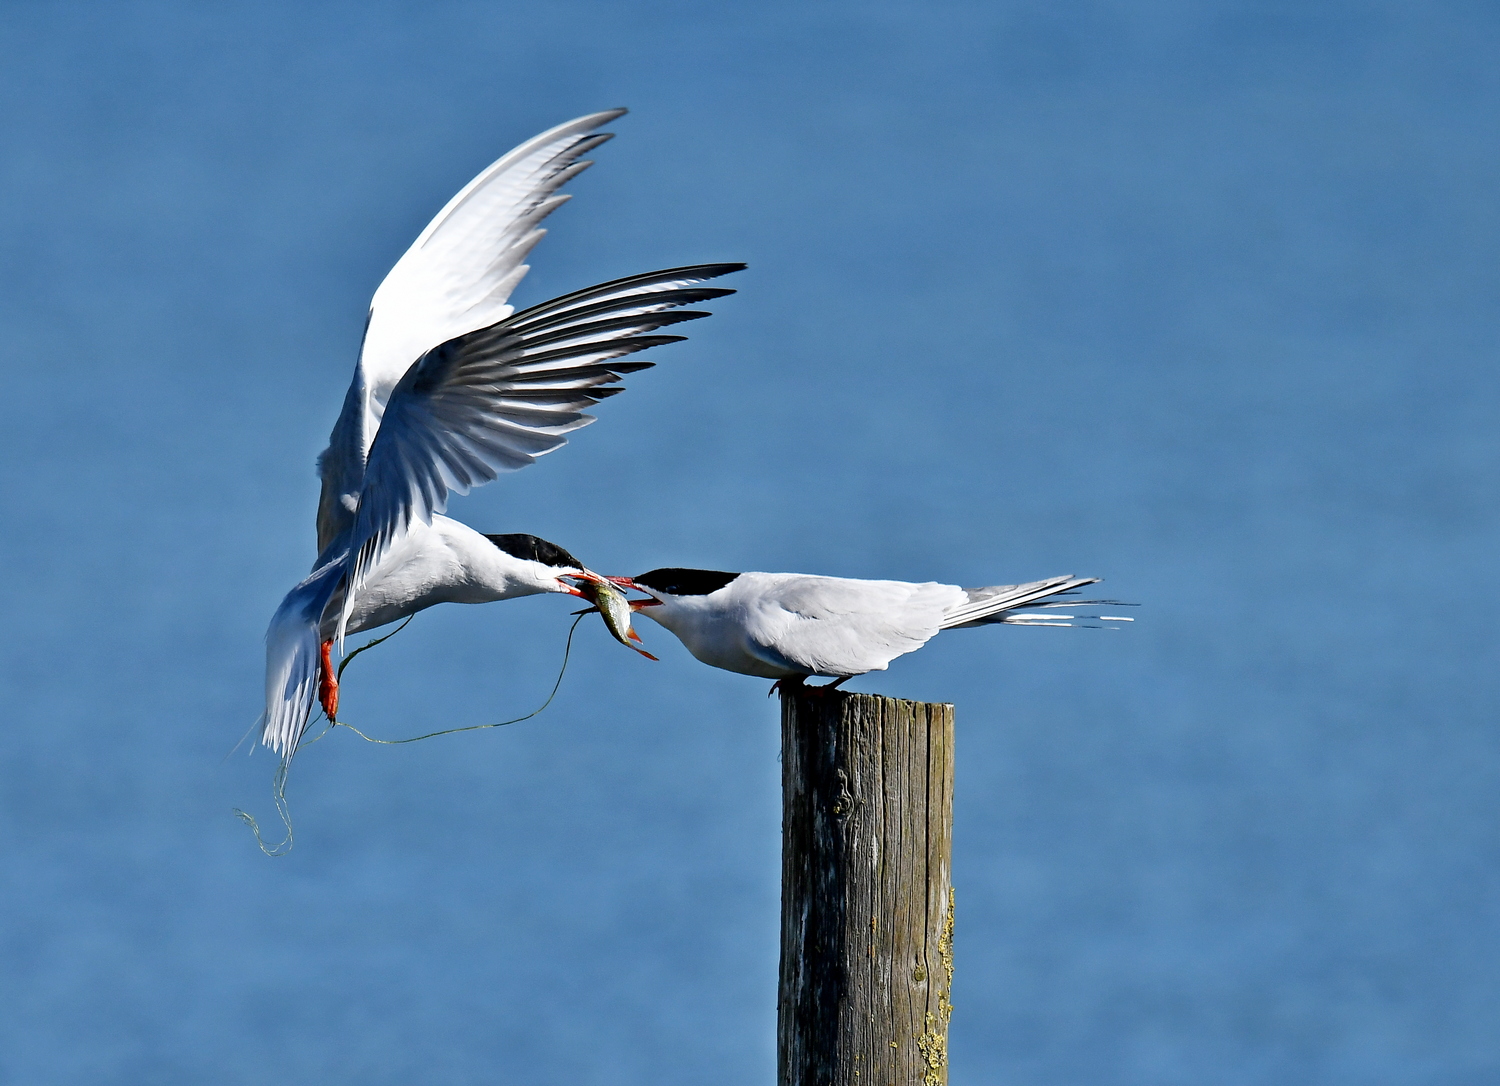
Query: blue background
1197	297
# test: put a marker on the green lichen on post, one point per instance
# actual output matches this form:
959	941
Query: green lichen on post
934	1048
945	952
933	1044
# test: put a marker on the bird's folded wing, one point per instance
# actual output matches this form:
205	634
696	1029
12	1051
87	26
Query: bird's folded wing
837	626
456	277
495	399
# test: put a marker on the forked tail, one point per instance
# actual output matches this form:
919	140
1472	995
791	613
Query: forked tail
293	652
1033	604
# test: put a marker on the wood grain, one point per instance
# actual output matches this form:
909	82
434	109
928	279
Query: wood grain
866	893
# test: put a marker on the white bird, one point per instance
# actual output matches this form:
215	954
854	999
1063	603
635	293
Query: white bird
789	626
452	388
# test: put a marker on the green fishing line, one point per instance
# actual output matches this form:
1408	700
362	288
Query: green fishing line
370	645
567	651
278	793
278	783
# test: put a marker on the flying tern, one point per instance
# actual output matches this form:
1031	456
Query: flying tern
453	387
790	626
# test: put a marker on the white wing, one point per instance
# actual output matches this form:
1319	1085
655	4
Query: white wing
497	398
838	626
456	277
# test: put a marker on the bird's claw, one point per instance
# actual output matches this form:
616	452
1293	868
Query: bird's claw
792	684
796	685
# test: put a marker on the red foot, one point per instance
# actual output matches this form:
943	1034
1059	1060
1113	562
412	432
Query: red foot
328	683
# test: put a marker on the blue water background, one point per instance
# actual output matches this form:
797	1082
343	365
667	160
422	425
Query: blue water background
1201	298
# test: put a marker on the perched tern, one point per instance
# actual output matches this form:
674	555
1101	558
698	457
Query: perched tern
790	626
452	388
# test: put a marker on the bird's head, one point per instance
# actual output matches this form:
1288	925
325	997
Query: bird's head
662	585
542	566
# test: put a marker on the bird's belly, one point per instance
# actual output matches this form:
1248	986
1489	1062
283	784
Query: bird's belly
734	658
412	579
733	648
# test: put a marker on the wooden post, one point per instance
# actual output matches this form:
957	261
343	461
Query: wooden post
866	896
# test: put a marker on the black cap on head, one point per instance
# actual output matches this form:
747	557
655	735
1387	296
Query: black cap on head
685	582
533	549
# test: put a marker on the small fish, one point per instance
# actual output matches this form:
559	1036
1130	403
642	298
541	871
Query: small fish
615	610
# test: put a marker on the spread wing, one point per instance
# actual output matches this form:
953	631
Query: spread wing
497	398
456	277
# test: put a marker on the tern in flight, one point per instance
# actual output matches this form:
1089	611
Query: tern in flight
452	388
791	626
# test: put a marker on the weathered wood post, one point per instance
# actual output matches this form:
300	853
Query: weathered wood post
866	892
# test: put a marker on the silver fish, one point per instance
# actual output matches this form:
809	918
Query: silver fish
614	608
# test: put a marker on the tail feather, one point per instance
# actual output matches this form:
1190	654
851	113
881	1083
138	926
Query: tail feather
1034	616
292	655
1029	605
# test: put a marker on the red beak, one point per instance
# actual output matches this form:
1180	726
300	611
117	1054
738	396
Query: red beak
587	577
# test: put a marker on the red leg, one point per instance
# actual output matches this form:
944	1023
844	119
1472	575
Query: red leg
328	683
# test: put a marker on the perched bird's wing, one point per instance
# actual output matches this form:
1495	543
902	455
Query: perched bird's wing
293	642
497	398
836	626
456	277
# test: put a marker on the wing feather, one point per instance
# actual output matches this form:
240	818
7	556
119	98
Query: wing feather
457	276
453	421
838	626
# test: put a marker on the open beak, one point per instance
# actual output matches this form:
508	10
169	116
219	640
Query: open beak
635	605
610	602
588	576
